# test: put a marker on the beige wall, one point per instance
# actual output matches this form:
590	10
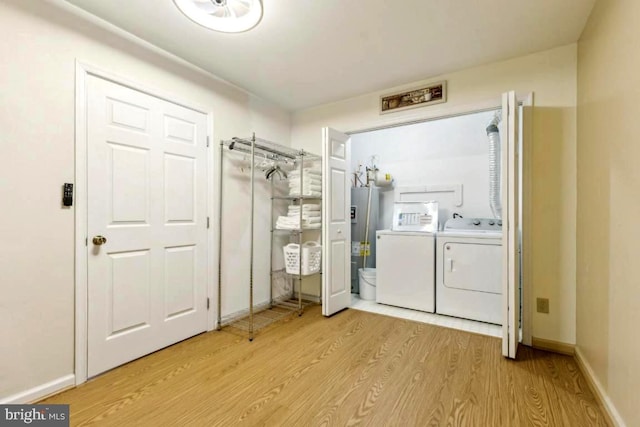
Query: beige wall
39	45
608	290
551	75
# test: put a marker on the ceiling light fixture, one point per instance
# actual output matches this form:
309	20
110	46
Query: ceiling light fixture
228	16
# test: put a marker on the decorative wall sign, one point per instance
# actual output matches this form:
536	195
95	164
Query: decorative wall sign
434	93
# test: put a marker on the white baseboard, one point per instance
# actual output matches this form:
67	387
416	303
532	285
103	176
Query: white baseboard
553	346
36	393
599	391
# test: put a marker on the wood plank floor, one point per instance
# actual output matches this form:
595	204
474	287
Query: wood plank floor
354	368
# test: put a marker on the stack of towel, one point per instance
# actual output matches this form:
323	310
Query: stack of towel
312	182
311	218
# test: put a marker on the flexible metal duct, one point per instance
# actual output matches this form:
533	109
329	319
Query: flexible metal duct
494	167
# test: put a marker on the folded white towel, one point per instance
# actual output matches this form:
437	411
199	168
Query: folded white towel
306	187
295	193
304	211
288	223
315	187
288	220
296	181
306	174
305	207
286	227
304	215
306	171
305	178
306	182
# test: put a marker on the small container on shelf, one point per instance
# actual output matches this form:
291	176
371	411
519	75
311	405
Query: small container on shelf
311	256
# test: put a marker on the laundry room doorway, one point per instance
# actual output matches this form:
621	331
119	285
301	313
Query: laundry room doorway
511	306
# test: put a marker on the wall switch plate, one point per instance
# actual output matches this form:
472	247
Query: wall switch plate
542	305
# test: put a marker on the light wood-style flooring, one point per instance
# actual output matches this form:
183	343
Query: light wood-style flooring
353	368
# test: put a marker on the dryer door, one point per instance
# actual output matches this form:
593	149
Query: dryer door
473	267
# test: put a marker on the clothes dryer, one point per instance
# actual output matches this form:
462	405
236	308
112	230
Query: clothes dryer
469	269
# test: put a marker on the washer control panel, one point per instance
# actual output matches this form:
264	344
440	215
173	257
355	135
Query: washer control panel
471	224
415	216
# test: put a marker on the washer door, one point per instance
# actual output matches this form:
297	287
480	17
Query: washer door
473	267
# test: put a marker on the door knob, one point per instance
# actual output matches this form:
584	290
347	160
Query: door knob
99	240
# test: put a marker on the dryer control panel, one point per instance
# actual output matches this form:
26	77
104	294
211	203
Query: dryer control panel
473	224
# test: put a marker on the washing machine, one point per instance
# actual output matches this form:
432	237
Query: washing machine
405	257
469	269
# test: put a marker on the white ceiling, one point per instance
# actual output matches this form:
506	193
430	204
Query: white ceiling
309	52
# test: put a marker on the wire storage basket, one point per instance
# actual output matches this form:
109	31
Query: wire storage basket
311	257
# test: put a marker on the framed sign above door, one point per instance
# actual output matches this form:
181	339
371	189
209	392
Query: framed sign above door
434	93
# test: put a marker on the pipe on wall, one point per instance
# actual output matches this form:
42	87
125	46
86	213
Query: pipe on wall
495	201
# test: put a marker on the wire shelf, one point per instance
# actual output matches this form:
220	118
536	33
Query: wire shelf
270	315
261	317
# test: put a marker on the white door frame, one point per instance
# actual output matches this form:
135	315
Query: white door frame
83	71
527	100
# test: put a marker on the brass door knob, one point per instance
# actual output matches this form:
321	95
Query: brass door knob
99	240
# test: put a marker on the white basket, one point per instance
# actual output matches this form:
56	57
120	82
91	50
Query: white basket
311	255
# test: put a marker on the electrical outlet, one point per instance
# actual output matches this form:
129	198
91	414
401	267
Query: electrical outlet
542	305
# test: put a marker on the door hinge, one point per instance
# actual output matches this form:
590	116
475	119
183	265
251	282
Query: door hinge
86	241
208	140
208	222
208	303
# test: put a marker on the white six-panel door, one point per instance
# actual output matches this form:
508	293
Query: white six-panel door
147	196
336	222
510	227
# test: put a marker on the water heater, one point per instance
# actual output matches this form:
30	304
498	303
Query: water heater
359	199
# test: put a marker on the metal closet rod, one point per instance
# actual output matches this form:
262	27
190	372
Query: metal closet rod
270	156
248	143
